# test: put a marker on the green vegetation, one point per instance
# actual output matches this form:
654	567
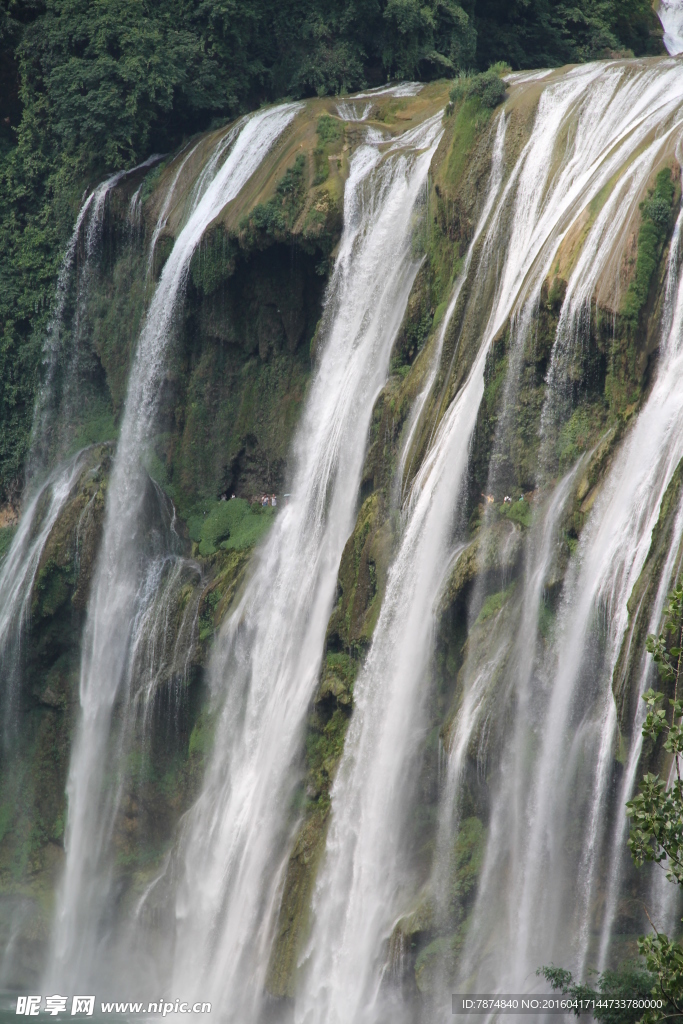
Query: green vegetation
466	861
329	132
657	214
629	981
493	604
231	525
518	511
6	535
579	432
325	733
545	33
277	216
488	86
90	86
656	837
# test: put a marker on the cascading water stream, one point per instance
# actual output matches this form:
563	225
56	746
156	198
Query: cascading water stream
126	565
601	132
575	734
671	16
45	499
495	181
265	666
359	889
353	110
17	576
58	397
667	410
47	492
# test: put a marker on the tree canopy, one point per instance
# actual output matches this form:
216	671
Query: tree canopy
91	86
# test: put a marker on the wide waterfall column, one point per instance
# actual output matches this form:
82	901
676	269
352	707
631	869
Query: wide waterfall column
606	116
119	584
265	666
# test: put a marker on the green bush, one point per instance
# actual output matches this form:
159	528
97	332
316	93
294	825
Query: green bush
329	129
488	86
278	215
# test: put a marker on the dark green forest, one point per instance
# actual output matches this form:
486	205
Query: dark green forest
91	86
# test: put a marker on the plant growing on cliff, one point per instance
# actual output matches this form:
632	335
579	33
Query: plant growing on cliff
656	837
488	86
657	212
277	216
657	811
630	981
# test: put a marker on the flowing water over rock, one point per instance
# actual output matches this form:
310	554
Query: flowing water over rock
568	717
127	574
269	655
359	892
472	828
671	16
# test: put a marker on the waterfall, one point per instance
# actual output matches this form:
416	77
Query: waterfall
671	16
17	576
662	415
58	400
363	886
539	746
544	911
46	493
404	466
138	531
265	666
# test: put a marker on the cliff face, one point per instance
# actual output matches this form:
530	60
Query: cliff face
241	359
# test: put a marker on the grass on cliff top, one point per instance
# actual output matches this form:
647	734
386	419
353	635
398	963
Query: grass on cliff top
231	525
329	131
487	85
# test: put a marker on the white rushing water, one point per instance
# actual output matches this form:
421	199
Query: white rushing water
671	16
46	493
123	576
545	910
266	664
600	134
613	112
405	460
57	403
658	431
359	106
18	572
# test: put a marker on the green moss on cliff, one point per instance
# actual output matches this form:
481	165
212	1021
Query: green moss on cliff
277	217
230	525
6	535
657	218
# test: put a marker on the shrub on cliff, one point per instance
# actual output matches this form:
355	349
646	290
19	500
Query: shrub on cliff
488	86
656	837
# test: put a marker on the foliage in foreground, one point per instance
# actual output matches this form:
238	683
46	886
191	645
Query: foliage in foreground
629	982
656	837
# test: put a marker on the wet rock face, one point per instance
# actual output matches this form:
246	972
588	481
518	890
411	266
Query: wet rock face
35	753
234	387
